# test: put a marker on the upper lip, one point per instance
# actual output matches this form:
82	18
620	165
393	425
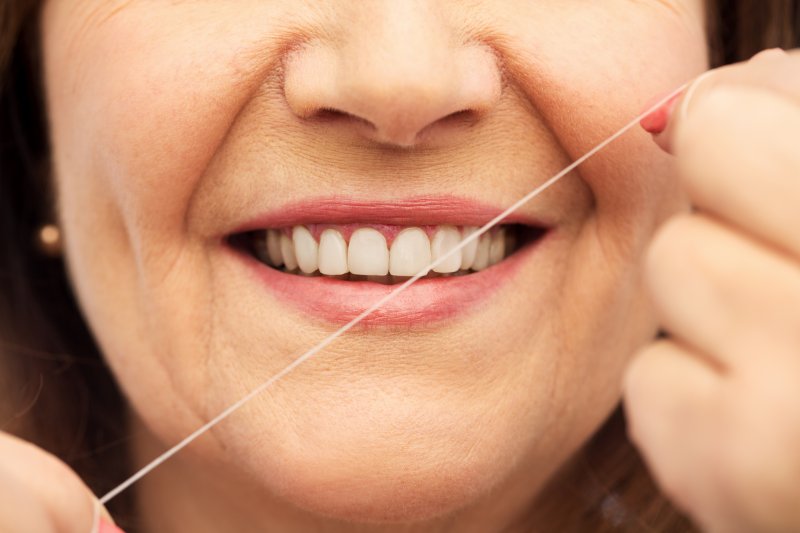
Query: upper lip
414	211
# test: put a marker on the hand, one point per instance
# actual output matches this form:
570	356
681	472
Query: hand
715	408
40	493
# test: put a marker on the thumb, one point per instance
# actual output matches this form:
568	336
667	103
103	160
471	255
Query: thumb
760	71
38	492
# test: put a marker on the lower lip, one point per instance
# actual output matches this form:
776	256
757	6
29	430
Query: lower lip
426	301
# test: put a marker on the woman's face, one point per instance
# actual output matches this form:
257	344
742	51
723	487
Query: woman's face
179	126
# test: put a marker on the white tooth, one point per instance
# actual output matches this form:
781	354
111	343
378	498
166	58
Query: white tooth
274	247
497	249
482	254
287	251
305	249
410	253
468	252
367	254
445	239
332	253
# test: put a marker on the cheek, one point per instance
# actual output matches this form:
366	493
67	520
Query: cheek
142	114
592	78
138	105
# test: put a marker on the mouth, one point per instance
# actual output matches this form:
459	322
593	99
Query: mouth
380	253
334	258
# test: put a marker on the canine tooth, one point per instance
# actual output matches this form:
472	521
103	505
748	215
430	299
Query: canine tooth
367	253
445	239
287	251
497	248
274	247
306	249
468	252
482	254
332	253
410	253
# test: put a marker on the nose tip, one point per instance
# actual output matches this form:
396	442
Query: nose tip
395	100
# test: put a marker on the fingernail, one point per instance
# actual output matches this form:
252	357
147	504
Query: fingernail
657	121
770	52
106	526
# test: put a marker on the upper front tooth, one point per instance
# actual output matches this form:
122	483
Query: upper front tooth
497	248
444	240
468	252
482	254
367	254
410	253
305	249
287	251
274	247
332	253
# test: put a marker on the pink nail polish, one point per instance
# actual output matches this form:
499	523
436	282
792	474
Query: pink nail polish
657	121
108	527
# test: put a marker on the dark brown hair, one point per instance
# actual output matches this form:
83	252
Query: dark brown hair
58	393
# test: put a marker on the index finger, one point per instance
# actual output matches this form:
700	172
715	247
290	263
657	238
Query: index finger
774	70
736	139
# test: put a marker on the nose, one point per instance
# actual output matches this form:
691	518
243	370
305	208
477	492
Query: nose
396	74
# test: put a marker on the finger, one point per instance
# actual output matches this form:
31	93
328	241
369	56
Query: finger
744	166
21	511
773	70
47	486
725	294
735	132
669	403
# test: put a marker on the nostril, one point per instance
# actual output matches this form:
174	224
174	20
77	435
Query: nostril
329	113
455	120
458	117
332	115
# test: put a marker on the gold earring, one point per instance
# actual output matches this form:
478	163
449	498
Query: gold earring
49	240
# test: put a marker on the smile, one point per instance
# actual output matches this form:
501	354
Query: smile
383	253
333	258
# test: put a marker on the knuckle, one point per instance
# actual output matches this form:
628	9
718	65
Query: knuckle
666	254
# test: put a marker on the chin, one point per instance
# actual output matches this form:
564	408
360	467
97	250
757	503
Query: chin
410	461
401	487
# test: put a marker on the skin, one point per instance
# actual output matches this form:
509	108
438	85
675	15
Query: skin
715	407
168	117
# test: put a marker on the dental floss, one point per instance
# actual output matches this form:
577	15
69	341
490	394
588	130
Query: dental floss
692	88
96	505
385	299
